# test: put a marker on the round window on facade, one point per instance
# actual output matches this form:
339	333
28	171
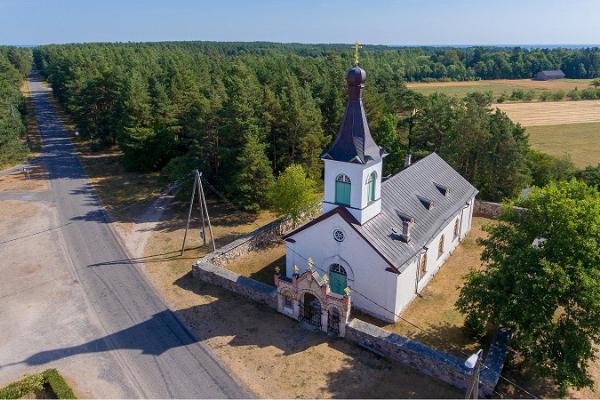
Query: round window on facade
338	235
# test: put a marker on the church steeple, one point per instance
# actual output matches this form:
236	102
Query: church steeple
354	142
353	162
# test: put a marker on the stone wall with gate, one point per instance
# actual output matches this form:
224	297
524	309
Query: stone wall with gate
427	360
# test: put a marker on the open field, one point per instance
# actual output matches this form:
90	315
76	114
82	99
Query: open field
553	113
498	86
580	141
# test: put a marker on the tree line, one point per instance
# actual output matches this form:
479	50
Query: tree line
14	66
243	112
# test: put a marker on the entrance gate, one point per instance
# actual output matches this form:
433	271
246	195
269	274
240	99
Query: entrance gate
333	321
311	310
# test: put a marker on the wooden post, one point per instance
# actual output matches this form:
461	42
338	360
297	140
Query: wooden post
212	236
198	176
187	225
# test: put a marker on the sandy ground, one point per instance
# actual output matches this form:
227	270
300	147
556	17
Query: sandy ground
45	320
553	113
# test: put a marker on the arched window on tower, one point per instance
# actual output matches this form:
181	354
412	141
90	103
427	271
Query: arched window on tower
371	186
342	190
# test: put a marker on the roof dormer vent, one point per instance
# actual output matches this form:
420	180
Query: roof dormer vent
442	189
427	203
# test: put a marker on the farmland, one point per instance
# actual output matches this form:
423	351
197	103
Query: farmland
580	141
561	128
498	86
553	113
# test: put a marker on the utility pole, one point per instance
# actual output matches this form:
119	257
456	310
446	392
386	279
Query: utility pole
474	363
203	212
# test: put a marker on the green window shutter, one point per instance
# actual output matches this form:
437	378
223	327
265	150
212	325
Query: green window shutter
342	193
372	188
337	282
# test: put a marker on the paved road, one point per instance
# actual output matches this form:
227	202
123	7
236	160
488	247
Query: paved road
159	355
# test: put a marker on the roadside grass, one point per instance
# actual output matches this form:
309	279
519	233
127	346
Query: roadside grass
498	86
580	141
48	384
33	138
34	180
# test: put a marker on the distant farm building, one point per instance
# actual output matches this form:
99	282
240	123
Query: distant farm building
549	75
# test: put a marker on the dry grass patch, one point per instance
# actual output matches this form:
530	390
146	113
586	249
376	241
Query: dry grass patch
34	180
553	113
260	265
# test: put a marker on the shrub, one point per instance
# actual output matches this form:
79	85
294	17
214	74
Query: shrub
34	384
58	384
545	96
558	95
574	94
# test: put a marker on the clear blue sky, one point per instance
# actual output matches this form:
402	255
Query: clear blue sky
325	21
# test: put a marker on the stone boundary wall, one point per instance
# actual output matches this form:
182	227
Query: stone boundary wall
216	275
429	361
489	209
257	239
437	364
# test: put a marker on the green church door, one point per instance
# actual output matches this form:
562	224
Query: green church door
338	279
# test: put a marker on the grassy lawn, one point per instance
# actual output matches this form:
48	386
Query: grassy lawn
260	265
497	87
44	385
580	141
434	309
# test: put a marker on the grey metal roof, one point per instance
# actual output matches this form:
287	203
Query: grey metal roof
354	142
402	196
551	74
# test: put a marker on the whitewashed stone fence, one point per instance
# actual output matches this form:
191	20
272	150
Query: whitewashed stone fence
435	363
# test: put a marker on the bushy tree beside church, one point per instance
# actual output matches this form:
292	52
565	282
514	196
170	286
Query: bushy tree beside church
541	279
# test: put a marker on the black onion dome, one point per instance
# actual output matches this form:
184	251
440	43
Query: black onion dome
356	76
354	142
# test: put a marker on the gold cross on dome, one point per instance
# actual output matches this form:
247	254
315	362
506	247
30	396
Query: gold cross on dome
356	47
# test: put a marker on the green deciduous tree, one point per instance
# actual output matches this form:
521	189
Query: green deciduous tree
293	192
541	279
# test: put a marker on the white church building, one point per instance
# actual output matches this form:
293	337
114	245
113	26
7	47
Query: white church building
378	241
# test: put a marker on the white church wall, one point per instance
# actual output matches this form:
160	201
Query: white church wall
406	283
373	289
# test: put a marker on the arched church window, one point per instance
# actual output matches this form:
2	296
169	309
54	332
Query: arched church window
342	189
371	185
441	246
338	278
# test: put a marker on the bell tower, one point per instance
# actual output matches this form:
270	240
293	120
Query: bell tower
353	161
